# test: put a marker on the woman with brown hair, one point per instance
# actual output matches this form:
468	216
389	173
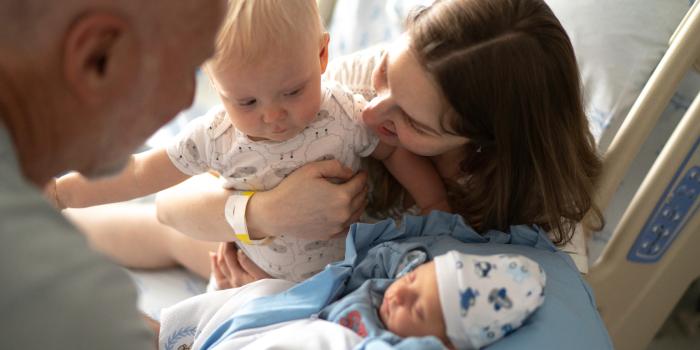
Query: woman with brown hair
511	89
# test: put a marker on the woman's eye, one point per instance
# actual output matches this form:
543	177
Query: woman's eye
414	126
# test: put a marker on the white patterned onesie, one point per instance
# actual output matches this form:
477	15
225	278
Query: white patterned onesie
211	142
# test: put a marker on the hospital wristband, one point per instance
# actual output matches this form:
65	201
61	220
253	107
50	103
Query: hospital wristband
234	211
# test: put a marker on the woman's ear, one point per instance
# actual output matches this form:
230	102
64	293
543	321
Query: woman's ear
323	52
100	57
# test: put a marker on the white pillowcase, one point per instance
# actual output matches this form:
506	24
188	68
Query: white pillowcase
618	44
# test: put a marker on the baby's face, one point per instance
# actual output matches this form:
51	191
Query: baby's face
276	97
411	305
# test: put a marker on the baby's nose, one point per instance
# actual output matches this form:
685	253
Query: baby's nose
405	296
274	114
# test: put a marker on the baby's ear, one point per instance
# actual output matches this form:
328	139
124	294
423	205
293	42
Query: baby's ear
323	51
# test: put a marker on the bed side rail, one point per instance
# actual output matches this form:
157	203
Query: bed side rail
683	52
654	253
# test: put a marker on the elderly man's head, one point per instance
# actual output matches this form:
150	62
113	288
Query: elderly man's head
87	81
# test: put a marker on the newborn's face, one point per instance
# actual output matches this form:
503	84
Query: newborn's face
411	306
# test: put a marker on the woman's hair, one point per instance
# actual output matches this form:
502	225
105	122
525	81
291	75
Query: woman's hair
508	69
252	27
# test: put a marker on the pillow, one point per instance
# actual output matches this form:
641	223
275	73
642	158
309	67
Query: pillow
618	44
358	24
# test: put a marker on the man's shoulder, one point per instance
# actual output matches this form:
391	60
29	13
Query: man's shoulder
36	239
22	207
48	271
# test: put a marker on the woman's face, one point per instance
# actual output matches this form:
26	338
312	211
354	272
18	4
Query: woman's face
409	109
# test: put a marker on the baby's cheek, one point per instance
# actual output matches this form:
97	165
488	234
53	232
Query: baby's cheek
399	322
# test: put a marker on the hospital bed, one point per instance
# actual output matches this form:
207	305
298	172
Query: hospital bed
644	267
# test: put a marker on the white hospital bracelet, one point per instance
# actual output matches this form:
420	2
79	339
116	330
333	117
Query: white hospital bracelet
234	211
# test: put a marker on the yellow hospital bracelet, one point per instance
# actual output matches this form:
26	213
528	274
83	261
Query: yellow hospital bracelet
234	211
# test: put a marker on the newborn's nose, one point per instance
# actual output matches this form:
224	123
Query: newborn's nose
404	296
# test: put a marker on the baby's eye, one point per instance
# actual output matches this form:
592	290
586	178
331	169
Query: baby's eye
247	103
294	93
420	314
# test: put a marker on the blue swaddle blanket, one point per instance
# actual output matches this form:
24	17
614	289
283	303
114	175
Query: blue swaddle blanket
568	317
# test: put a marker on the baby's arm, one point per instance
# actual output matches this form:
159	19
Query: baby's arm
417	175
145	173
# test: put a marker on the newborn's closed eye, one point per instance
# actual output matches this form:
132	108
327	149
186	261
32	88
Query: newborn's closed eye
420	313
412	276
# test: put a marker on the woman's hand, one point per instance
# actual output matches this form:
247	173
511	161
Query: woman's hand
309	204
317	201
232	268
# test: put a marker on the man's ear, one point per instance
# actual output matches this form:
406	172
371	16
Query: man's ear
100	56
323	51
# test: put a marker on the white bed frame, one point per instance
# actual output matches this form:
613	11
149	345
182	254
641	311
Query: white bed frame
654	253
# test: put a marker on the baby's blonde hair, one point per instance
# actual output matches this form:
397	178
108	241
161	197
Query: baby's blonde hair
252	27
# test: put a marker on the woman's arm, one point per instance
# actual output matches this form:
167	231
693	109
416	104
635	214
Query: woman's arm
305	205
417	175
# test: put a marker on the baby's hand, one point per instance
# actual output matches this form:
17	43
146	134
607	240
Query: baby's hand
51	193
232	268
441	205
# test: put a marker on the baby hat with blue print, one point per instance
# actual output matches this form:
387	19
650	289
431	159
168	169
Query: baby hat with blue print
485	297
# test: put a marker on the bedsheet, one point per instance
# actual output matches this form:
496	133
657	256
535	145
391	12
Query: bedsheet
162	288
211	309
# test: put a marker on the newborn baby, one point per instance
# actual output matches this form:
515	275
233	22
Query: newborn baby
466	301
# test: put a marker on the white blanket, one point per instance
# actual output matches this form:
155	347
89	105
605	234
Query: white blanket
188	324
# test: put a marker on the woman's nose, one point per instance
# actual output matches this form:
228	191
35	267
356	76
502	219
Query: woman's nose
377	110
